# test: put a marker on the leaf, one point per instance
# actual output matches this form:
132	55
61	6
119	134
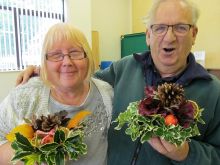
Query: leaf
146	137
50	158
31	159
159	132
25	129
14	145
73	139
69	147
127	116
75	120
42	158
21	155
83	148
25	147
49	147
22	140
73	155
59	158
146	127
59	136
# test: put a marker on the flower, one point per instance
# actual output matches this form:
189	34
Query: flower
49	139
164	112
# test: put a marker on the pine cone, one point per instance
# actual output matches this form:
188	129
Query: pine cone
46	123
171	95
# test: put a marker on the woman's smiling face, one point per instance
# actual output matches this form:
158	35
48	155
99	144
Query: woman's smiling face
66	73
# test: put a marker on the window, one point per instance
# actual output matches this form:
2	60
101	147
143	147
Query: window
22	28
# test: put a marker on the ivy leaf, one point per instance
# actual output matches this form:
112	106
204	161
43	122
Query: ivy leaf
154	125
59	136
146	137
73	139
14	145
69	147
22	140
59	158
83	148
50	158
21	155
26	147
49	147
42	158
31	159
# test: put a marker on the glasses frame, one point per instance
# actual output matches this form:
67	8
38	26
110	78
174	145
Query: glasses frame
177	33
63	55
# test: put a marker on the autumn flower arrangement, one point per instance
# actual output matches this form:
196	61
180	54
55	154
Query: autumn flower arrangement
50	140
164	112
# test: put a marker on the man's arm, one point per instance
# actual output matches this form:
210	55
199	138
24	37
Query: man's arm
25	75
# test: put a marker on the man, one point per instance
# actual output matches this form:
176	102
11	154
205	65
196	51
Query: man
171	33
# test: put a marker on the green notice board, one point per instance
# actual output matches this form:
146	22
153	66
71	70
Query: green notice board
133	43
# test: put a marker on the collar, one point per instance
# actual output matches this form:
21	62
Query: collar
152	77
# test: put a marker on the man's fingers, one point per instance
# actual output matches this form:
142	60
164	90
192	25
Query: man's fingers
25	75
155	142
19	79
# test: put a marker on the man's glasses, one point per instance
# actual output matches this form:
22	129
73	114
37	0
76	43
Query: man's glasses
178	29
58	56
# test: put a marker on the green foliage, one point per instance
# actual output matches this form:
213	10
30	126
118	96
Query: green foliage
142	127
55	153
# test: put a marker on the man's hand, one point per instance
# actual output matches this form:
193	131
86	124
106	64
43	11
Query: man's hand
170	150
25	75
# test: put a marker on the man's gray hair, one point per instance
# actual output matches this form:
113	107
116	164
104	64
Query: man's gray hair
148	20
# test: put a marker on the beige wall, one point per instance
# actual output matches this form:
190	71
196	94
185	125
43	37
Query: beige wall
7	82
111	19
209	25
139	10
78	13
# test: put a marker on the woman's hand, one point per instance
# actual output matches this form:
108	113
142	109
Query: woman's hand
170	150
25	75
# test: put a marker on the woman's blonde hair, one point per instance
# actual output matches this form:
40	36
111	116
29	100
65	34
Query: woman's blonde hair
60	32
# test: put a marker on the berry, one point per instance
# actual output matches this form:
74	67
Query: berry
171	120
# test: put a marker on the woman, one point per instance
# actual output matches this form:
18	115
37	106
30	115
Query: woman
65	84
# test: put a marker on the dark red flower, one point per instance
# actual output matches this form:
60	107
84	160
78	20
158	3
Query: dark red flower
150	91
185	114
149	106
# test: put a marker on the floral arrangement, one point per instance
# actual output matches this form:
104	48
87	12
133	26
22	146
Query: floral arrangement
50	140
164	112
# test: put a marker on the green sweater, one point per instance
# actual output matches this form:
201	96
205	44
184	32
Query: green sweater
126	76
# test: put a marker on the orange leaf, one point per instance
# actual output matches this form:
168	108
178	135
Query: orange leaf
196	108
24	129
75	120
